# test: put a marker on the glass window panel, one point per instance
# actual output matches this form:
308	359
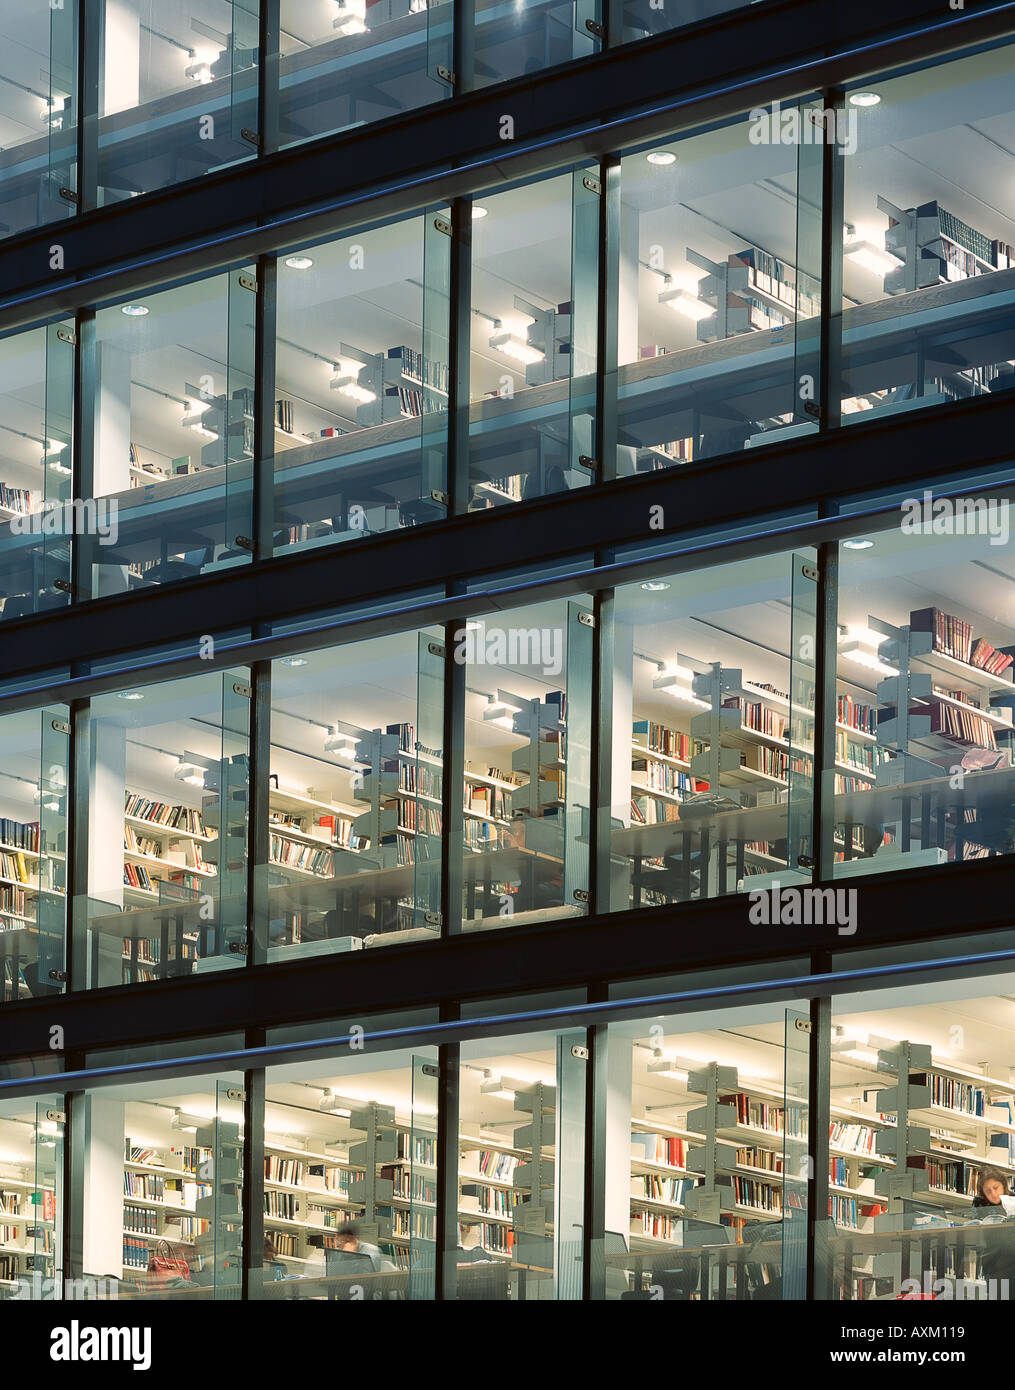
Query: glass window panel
162	1168
33	852
167	815
38	146
362	384
512	40
345	64
641	18
527	746
350	1187
712	709
35	469
533	340
32	1201
921	1155
355	796
718	292
174	433
929	243
177	92
925	696
706	1157
521	1177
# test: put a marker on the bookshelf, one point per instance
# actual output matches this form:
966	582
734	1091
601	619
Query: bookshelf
28	1227
161	1193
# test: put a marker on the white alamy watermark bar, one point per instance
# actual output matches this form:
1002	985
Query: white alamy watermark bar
91	516
804	126
956	516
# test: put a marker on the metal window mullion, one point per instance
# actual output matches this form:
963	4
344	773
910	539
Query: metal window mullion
90	29
86	362
258	834
819	1086
268	76
76	888
608	290
448	1124
601	759
459	346
453	786
463	45
832	218
594	1225
825	709
252	1206
262	519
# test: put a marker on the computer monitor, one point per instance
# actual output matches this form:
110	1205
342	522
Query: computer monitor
347	1262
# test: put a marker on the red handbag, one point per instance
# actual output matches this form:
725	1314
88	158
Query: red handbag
165	1263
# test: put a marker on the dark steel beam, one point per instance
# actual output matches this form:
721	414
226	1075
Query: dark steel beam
917	907
757	483
747	56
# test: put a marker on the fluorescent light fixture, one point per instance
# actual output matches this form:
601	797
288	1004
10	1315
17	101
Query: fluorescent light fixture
294	661
350	24
190	773
130	695
863	656
187	1121
661	1066
661	157
655	586
512	346
683	302
342	745
349	386
858	545
196	407
503	1087
866	635
298	262
479	212
871	257
864	99
198	72
134	311
52	113
333	1105
193	422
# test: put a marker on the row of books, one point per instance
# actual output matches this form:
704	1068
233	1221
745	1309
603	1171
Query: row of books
286	1243
951	1177
12	901
661	777
660	1148
758	716
281	1205
141	844
844	1211
150	1186
292	854
652	1223
16	499
10	1203
426	370
287	1170
413	815
856	715
420	778
140	1219
954	637
860	1139
13	865
647	810
964	726
862	755
660	739
161	813
135	1252
761	1114
487	1236
951	1093
19	834
760	1158
751	1192
653	1187
137	876
492	1164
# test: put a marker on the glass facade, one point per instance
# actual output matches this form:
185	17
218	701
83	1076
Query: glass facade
340	613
